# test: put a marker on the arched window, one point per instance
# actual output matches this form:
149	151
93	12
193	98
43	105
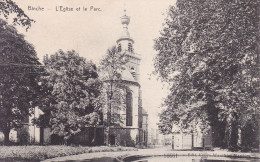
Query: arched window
129	109
130	47
133	71
119	48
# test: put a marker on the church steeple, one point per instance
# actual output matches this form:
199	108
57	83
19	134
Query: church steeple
125	45
125	20
125	42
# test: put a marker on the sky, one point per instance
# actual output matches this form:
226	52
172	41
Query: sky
91	33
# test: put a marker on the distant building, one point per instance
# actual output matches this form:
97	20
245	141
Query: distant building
145	127
192	140
150	137
156	138
27	132
167	139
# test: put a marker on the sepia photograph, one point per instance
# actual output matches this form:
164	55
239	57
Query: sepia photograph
130	80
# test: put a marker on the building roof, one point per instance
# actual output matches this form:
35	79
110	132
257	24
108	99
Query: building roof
125	75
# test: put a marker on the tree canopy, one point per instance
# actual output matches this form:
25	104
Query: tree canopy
18	80
8	7
113	91
70	88
111	67
208	52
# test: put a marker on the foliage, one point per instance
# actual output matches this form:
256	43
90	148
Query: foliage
69	92
8	7
208	53
167	118
113	91
19	66
111	67
29	153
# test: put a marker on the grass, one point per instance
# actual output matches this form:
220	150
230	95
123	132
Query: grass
37	153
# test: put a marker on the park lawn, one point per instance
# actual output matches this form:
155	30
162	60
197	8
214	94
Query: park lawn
38	153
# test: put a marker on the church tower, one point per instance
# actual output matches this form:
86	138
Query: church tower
131	133
125	44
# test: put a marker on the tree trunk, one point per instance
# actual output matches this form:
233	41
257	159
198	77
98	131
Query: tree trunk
6	134
217	127
234	136
218	134
231	136
107	135
108	123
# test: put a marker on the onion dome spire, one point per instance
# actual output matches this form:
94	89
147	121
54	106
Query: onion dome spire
125	20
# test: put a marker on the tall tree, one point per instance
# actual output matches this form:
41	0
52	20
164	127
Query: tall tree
8	7
18	70
111	67
69	92
209	53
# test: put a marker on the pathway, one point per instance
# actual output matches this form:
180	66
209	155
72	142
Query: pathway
154	152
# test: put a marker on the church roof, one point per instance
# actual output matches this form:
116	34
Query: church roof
125	75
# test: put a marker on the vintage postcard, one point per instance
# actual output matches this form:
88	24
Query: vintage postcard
129	80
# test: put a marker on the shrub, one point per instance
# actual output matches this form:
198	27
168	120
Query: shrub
19	153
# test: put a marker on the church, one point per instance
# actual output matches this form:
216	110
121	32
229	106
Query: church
134	128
